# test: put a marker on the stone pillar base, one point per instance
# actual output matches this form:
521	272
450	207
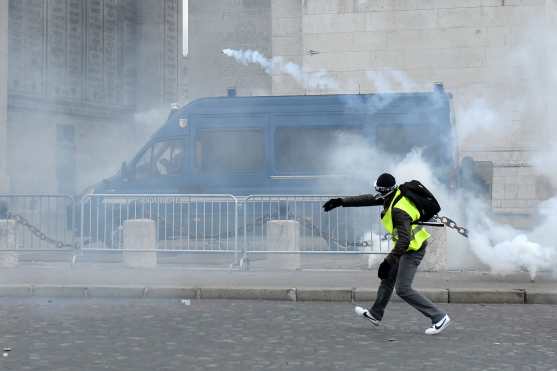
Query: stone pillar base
140	234
8	259
435	259
283	235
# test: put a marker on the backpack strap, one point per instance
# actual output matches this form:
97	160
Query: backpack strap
392	206
398	198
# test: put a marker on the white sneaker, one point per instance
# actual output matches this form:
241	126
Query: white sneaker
436	328
365	313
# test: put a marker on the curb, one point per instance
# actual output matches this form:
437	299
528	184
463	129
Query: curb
435	295
17	291
487	296
324	294
59	291
115	292
541	297
454	296
171	292
248	294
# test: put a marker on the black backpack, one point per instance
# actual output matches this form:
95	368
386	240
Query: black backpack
422	198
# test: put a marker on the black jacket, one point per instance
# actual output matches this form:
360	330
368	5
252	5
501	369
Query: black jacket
401	221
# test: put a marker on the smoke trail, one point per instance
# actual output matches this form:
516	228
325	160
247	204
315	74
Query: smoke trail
392	80
309	80
386	83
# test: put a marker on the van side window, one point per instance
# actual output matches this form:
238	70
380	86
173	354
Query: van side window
234	150
162	158
309	150
400	139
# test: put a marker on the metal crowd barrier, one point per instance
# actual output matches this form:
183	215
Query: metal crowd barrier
343	230
184	223
41	222
192	223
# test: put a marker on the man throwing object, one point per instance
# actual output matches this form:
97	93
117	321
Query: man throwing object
397	271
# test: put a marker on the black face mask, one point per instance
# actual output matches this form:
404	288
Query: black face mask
384	195
387	198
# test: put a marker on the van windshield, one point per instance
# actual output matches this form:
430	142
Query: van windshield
164	158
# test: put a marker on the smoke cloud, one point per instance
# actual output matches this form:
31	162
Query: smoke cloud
501	247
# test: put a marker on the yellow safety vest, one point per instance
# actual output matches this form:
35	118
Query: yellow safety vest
419	234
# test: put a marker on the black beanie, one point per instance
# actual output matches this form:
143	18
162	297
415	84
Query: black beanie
385	180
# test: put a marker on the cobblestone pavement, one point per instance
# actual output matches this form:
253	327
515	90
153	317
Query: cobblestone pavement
94	334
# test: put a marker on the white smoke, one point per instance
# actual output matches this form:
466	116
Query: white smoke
530	64
501	247
507	250
390	80
309	80
147	122
477	116
374	240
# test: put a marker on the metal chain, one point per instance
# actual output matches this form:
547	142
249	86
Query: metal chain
451	224
37	232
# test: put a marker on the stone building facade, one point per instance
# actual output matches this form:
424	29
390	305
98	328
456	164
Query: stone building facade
86	81
486	53
216	25
77	74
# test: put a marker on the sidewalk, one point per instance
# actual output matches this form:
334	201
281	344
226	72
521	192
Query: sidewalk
168	281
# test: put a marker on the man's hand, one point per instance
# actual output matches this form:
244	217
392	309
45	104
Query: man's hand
387	266
384	270
332	204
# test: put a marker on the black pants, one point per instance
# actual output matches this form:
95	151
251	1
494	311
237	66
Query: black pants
400	279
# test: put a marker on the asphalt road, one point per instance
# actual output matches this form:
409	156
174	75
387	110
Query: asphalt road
94	334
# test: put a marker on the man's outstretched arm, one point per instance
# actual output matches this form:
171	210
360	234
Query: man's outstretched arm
353	201
361	200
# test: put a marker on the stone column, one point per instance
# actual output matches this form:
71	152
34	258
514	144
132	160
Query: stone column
149	54
4	180
140	234
435	259
158	53
283	235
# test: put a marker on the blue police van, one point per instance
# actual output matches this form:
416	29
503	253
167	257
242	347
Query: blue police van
283	144
265	145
